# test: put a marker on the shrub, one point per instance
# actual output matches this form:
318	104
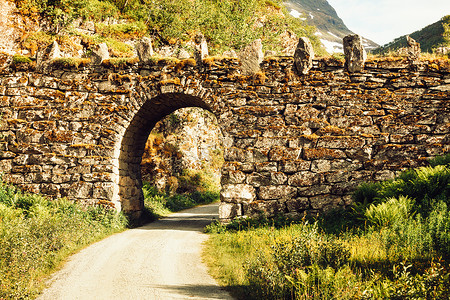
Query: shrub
308	255
37	234
366	193
158	204
438	227
443	160
390	212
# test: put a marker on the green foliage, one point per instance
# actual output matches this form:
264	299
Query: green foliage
95	10
366	193
425	185
159	204
191	181
438	229
229	24
443	160
308	254
125	30
401	252
20	59
37	234
239	224
390	212
430	37
69	62
432	284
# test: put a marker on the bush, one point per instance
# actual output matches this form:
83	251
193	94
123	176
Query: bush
438	227
308	255
390	212
37	234
426	185
366	193
158	204
443	160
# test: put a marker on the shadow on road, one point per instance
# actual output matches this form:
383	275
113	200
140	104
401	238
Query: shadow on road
193	219
196	291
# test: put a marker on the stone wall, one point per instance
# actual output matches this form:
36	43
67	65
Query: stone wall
291	142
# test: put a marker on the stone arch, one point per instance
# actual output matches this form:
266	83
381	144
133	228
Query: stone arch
128	194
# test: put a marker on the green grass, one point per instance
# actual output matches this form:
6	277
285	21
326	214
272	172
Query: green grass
159	204
393	244
36	235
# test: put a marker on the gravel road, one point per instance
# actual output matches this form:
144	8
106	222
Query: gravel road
160	260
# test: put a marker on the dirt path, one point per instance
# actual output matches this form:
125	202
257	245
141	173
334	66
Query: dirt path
158	261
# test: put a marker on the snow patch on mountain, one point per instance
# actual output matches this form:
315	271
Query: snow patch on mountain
295	13
332	47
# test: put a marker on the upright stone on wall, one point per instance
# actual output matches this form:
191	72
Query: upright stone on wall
303	56
47	54
251	57
413	49
144	49
201	48
355	55
100	54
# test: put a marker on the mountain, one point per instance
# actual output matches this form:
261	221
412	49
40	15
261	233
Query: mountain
431	37
330	27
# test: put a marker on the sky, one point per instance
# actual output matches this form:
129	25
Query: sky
384	20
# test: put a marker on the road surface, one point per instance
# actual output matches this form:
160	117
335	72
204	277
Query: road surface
160	260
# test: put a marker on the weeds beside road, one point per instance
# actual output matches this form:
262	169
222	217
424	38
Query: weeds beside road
393	243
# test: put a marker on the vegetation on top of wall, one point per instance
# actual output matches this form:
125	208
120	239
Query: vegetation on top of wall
228	24
393	244
36	235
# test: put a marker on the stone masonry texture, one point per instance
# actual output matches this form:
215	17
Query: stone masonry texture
292	143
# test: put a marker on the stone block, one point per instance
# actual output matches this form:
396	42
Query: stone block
321	165
322	153
259	179
232	177
304	178
284	154
277	178
314	190
277	192
266	167
103	190
338	176
229	211
298	204
268	208
326	202
237	193
100	54
340	142
79	190
201	49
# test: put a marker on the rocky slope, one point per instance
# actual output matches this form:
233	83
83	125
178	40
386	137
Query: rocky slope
184	151
330	27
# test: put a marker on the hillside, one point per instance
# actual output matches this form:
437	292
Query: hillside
431	37
79	26
330	27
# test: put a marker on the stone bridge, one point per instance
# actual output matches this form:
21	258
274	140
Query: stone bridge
294	141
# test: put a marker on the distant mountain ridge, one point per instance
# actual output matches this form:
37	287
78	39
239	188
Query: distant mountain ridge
430	37
330	27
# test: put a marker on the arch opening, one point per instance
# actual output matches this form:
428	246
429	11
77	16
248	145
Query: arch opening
129	195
